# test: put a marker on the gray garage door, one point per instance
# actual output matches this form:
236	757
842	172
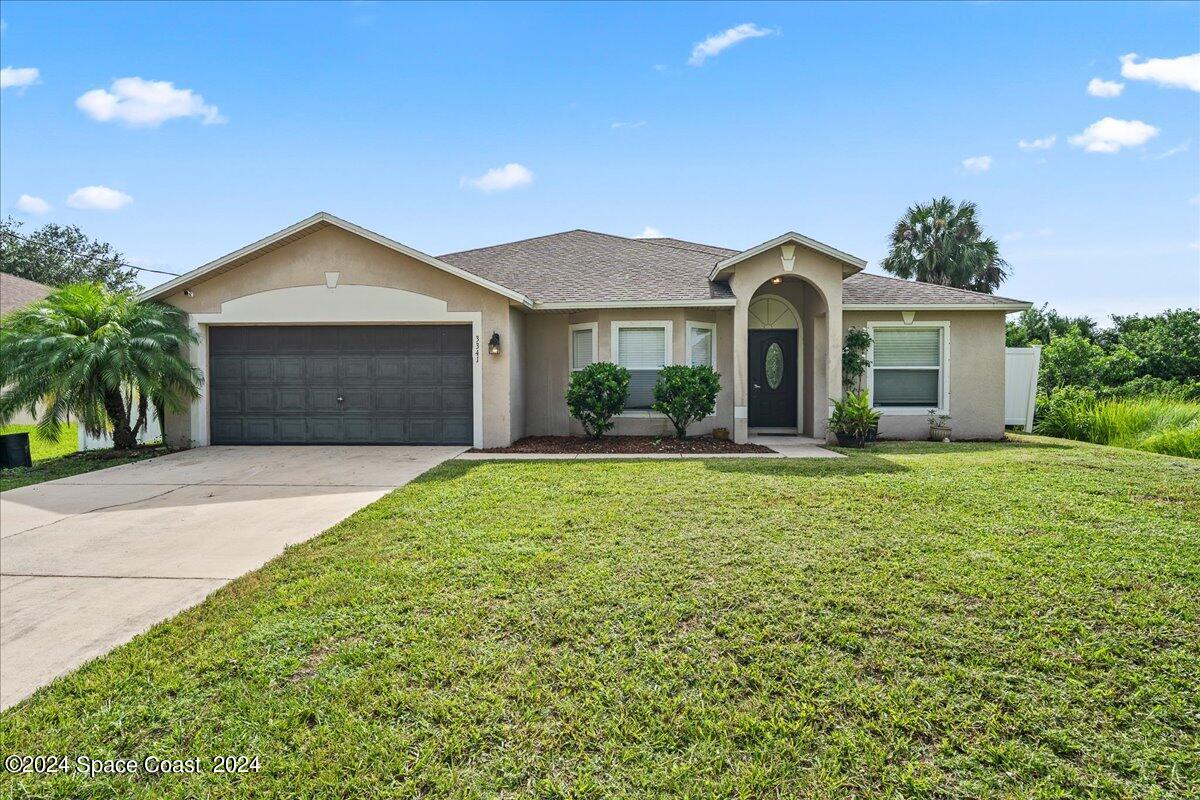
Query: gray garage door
368	384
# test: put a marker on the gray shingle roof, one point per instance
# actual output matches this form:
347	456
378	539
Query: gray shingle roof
587	267
867	288
17	292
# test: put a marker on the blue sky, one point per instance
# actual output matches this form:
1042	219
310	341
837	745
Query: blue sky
825	119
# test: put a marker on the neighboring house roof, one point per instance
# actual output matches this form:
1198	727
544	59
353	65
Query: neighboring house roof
17	292
585	269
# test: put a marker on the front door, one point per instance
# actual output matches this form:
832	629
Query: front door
773	379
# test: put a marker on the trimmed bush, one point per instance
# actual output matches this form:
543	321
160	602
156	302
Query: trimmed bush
686	395
596	394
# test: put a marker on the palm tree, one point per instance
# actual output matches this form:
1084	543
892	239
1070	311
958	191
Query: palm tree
97	355
943	243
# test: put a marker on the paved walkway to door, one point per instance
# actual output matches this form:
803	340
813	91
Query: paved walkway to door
90	561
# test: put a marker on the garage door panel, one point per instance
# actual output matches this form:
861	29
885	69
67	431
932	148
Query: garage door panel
291	399
225	369
258	400
289	370
324	429
356	430
398	384
354	368
390	370
321	370
258	429
258	369
293	430
323	400
456	400
456	369
424	370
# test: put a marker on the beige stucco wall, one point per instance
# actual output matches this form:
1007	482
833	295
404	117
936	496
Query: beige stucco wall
823	316
548	347
363	263
976	369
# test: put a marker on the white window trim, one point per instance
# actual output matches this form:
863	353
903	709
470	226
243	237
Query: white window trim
594	327
943	376
614	348
711	327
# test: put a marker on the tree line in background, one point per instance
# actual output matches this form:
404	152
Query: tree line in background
1135	356
60	255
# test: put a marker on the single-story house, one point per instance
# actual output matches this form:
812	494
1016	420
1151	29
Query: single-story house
326	332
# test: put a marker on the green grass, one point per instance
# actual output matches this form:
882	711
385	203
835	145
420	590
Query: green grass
916	620
1156	424
52	460
41	449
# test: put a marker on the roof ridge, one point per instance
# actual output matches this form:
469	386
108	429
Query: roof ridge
971	292
517	241
661	241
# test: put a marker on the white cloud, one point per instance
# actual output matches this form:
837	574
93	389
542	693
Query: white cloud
98	198
18	77
722	41
146	104
1044	143
1110	135
1181	73
28	204
1174	151
638	124
500	179
977	163
649	233
1101	88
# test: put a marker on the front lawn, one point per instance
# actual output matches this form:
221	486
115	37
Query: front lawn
977	620
40	449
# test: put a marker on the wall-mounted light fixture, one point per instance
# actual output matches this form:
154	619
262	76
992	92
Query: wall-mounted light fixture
188	293
777	280
494	344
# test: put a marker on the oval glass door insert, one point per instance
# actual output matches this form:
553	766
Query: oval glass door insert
774	365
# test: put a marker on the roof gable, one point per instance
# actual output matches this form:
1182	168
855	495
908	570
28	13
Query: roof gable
851	263
308	226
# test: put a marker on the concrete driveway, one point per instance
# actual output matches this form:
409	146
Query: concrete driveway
88	562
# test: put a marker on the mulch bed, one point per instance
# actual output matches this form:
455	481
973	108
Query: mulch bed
624	444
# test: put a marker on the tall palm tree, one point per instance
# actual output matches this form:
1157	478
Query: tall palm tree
98	356
943	243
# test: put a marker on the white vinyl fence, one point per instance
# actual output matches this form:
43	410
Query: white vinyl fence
1020	384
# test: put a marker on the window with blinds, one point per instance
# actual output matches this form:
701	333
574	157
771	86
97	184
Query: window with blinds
583	341
642	351
700	346
907	367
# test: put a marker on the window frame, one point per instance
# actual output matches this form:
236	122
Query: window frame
594	327
943	406
614	349
711	327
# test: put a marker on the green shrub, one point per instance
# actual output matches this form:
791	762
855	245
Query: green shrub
596	394
1158	424
853	415
686	395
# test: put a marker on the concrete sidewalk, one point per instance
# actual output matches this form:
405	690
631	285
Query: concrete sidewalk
90	561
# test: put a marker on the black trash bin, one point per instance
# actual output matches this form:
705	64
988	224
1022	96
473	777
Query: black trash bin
14	450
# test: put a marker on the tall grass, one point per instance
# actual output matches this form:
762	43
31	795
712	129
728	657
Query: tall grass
1157	424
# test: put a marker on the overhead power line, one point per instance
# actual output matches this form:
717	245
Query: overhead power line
78	257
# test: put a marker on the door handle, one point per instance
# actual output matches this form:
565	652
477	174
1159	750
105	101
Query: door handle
340	398
756	386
